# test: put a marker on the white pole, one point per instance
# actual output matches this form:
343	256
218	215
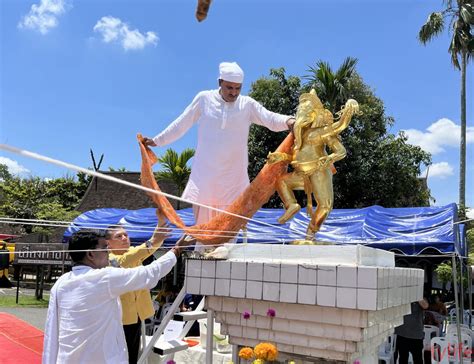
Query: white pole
209	336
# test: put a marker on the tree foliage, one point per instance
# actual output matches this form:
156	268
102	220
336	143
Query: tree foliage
380	167
36	198
460	14
175	168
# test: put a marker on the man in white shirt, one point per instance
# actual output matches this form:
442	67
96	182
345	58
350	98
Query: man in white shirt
219	170
84	320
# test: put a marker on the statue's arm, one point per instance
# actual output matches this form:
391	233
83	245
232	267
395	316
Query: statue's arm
276	157
351	108
338	152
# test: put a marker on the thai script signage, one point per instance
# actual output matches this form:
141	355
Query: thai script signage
47	254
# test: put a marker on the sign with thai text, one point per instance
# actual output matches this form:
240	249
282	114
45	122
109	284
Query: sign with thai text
36	253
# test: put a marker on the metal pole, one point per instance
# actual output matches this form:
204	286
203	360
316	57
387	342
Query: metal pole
209	336
461	262
456	300
235	354
469	280
143	338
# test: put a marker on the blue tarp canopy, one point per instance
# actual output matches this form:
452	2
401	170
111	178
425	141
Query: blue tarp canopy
411	231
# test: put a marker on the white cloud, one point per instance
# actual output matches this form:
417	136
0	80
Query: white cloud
13	166
114	30
440	134
44	16
439	170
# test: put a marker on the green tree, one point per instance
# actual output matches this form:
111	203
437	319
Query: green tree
460	14
4	172
279	94
36	198
376	161
175	168
332	87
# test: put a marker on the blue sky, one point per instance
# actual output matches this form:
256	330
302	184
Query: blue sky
80	74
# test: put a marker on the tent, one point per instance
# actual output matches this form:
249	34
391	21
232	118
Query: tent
410	231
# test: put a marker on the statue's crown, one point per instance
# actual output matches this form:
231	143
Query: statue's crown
313	98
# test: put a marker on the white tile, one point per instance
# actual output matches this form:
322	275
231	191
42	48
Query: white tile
271	291
223	269
208	268
326	296
222	287
326	275
207	286
254	290
307	274
254	271
237	288
271	272
288	292
391	278
289	273
229	304
346	276
193	285
238	270
346	297
366	299
194	267
367	277
307	294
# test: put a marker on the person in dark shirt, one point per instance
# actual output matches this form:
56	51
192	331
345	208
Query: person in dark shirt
410	334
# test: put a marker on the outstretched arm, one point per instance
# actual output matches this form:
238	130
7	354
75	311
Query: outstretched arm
350	109
179	126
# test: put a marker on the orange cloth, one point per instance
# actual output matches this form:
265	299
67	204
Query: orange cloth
254	197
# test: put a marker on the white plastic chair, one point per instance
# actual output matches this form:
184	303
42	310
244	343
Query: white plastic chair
439	351
430	332
464	351
387	350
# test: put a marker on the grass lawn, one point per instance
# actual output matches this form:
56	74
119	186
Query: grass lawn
23	301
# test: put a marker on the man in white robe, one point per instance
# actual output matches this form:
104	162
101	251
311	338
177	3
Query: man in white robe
219	170
84	320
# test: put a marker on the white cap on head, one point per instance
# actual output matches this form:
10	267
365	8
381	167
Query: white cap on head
231	72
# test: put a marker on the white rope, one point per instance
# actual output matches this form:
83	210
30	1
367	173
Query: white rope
197	234
43	158
102	226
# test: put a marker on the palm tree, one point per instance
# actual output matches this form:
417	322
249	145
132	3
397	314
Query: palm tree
175	168
461	17
330	86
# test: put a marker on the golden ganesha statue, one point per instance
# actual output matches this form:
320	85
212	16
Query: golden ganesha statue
314	130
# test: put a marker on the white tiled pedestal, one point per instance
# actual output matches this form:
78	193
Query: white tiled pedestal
323	309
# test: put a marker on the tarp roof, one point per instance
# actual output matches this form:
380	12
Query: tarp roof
411	231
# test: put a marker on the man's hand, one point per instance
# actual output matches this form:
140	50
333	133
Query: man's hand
183	242
149	142
291	123
159	235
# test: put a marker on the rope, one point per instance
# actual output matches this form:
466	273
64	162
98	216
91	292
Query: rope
43	158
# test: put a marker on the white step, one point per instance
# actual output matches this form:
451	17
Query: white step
190	315
167	347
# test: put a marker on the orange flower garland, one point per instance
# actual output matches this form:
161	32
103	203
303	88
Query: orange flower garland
266	351
246	353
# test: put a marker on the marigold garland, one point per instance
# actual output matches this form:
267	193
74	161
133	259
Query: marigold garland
266	351
246	353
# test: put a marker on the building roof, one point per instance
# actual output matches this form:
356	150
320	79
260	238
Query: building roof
103	193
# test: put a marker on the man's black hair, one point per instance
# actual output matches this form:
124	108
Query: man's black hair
83	240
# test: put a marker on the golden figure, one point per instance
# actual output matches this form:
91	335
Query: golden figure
314	130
